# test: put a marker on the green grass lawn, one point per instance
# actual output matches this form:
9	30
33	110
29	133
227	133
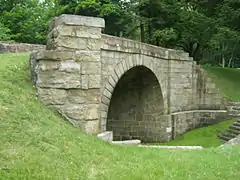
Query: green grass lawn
36	143
205	136
227	80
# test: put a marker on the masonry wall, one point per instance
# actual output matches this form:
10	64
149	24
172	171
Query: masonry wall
79	71
13	47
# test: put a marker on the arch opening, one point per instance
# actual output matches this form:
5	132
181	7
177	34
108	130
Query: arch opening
136	106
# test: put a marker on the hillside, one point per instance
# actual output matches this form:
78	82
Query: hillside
228	80
37	143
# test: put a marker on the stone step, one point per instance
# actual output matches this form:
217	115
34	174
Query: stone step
233	131
236	108
237	123
234	103
234	114
227	136
224	138
233	110
234	127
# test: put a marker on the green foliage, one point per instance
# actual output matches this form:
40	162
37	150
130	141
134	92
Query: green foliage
38	144
208	30
27	20
4	33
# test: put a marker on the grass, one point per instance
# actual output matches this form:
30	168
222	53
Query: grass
35	143
205	136
227	80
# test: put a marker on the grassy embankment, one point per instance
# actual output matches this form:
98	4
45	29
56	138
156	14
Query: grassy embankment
36	143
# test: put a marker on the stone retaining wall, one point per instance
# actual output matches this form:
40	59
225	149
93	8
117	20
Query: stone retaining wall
12	47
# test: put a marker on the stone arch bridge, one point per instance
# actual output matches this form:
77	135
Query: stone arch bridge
105	83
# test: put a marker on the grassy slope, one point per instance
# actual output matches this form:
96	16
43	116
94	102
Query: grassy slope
228	80
35	143
205	136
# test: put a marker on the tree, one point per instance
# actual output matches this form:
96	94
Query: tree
4	33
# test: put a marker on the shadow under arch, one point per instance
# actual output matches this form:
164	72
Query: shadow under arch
136	106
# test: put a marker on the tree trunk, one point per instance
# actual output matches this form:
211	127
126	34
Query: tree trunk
223	61
142	32
230	62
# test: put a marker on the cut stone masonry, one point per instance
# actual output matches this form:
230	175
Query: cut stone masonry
105	83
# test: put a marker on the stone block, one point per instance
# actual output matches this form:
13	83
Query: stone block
52	96
106	136
86	112
55	55
80	96
88	56
91	67
94	81
71	43
92	126
70	67
79	31
78	20
57	79
84	81
46	65
94	44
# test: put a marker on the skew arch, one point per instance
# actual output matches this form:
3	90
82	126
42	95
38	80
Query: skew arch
132	102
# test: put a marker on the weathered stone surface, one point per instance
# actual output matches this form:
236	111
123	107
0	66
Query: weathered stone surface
52	96
71	43
94	81
106	136
87	56
78	31
70	67
81	111
13	47
91	67
32	66
91	127
80	96
46	65
57	79
77	20
84	81
55	55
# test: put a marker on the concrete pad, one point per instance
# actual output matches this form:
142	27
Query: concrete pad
172	147
127	142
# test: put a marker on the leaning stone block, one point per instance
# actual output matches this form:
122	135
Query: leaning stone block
106	136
